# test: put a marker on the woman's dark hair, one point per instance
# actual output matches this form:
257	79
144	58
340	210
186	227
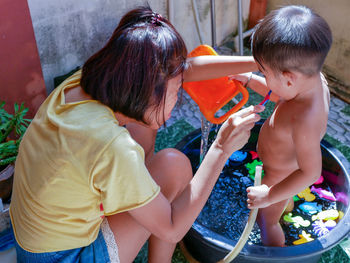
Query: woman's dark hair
292	38
130	73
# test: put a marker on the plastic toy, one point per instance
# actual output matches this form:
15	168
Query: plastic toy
211	95
331	214
266	99
304	238
323	193
342	197
254	155
296	198
307	195
321	228
297	221
237	158
330	224
251	168
310	208
319	180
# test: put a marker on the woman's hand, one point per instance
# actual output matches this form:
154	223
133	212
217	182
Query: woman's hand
235	131
258	196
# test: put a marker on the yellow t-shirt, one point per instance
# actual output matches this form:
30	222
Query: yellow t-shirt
73	157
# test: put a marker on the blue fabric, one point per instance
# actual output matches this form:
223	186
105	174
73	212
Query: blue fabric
7	239
96	252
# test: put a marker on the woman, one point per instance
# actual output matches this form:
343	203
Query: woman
88	153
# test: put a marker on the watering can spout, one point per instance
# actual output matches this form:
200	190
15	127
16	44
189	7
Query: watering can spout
211	95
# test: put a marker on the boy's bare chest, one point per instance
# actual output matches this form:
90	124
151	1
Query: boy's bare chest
279	125
275	138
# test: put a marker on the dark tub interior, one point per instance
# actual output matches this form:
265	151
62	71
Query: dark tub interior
218	227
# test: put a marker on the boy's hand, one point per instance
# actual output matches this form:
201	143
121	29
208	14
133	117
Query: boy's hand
243	78
258	196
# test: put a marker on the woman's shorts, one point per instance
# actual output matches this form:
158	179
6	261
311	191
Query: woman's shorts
98	251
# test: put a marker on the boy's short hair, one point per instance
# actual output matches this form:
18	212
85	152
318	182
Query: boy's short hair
292	38
130	73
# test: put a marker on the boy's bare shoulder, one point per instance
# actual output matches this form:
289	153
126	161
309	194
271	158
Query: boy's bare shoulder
309	118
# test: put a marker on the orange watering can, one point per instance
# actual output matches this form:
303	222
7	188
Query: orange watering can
211	95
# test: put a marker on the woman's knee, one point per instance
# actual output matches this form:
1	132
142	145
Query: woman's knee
172	170
177	162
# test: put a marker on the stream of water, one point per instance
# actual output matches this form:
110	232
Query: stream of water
205	129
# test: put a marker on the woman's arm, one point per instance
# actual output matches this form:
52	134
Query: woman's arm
211	67
171	221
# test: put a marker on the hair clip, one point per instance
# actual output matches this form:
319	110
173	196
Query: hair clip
156	18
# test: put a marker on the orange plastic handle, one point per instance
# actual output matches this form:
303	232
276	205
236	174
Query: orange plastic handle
239	105
211	95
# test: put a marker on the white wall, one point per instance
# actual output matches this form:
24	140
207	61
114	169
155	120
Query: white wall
68	32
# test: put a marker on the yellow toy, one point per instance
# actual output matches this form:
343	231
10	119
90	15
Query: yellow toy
307	195
341	214
304	238
326	215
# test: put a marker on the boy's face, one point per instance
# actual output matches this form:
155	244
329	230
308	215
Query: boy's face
281	83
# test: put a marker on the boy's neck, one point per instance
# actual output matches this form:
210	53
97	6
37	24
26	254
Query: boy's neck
307	86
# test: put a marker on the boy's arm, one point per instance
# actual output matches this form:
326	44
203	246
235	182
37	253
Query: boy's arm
306	138
211	67
309	158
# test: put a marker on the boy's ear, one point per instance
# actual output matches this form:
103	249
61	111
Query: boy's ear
289	77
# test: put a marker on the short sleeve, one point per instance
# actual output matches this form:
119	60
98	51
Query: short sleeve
121	177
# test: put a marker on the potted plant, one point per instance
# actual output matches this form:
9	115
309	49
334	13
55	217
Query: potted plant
12	128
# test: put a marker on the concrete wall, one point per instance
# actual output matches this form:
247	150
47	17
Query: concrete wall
337	65
226	20
68	32
21	78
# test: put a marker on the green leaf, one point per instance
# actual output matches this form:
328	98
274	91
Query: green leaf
12	124
9	148
7	130
7	161
16	107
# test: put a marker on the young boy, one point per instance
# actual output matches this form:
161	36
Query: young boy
289	46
